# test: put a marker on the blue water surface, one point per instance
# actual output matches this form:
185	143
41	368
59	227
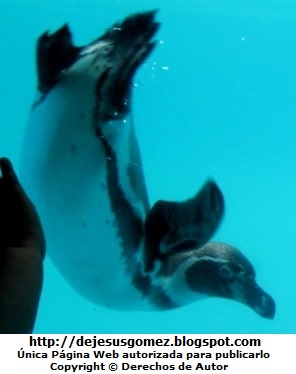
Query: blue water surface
216	99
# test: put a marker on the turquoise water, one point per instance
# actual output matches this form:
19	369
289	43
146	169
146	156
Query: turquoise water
215	99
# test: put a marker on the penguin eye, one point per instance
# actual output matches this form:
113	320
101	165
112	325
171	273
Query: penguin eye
226	272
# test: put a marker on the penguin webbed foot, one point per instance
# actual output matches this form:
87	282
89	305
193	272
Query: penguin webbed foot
173	227
130	45
55	53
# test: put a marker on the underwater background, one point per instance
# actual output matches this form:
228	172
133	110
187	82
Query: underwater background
216	99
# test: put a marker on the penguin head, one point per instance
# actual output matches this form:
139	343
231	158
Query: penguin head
221	270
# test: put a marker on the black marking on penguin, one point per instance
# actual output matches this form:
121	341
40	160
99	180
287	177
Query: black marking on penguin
154	294
215	285
130	225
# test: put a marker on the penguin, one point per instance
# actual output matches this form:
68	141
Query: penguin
81	165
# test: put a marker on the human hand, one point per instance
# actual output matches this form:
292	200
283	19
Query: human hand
22	249
20	225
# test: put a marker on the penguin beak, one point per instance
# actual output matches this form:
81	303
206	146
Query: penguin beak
249	293
264	304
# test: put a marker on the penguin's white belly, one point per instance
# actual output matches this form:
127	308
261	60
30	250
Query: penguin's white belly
64	170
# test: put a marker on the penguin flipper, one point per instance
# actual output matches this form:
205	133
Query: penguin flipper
171	227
